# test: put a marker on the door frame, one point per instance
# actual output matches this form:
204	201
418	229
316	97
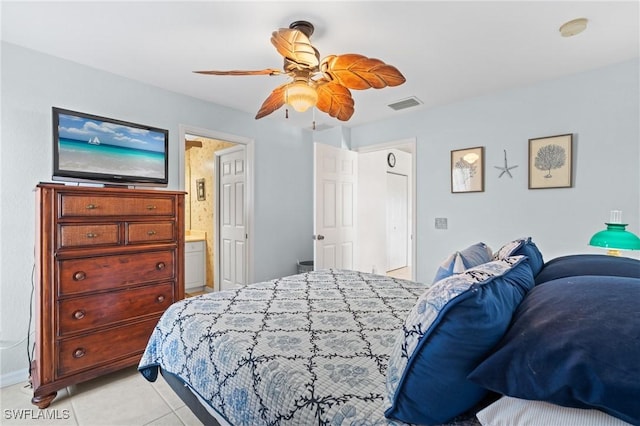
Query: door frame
249	144
408	145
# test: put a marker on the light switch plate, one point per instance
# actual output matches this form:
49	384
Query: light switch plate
441	223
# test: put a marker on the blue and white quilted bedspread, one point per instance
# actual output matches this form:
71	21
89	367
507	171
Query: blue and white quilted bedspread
301	350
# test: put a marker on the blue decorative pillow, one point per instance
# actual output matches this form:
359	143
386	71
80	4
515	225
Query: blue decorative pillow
446	334
588	264
522	247
574	342
460	261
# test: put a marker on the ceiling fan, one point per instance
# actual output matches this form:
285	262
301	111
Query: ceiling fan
322	83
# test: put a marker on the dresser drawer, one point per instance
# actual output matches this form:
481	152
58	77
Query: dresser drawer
113	272
88	312
88	235
150	232
74	205
99	348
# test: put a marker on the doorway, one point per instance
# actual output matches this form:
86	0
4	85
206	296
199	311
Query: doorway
200	168
386	209
383	198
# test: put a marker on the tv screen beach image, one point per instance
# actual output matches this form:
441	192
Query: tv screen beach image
94	146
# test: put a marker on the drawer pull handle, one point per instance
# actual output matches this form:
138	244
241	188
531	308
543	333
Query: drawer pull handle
91	207
160	266
151	233
79	314
79	353
91	235
79	276
151	207
160	299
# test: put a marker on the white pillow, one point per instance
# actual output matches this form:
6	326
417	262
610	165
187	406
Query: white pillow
509	411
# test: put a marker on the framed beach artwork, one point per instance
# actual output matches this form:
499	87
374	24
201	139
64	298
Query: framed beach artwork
551	162
467	170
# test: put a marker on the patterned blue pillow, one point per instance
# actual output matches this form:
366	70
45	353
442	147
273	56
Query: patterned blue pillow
460	261
446	335
522	247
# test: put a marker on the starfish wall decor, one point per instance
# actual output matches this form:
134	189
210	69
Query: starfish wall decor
506	169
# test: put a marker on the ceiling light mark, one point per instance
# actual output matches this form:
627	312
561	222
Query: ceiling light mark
574	27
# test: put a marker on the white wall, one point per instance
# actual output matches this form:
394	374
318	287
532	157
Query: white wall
338	137
32	83
601	109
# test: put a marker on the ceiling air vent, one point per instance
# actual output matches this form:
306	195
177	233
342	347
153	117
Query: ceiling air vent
405	103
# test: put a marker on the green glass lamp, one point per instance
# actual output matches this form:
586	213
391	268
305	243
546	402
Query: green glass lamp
615	237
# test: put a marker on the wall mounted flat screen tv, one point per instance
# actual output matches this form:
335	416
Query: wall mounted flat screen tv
90	148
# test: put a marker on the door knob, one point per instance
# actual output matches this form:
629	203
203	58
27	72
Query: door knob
318	237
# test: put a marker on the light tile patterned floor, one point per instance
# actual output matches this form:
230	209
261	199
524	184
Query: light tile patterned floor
122	398
402	273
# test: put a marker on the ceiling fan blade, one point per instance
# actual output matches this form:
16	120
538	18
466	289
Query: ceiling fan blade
359	72
335	100
295	46
273	102
268	71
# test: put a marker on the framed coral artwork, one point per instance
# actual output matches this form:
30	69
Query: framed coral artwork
467	170
551	162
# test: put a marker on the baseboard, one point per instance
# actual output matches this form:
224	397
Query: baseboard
20	376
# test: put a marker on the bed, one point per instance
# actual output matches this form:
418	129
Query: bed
337	347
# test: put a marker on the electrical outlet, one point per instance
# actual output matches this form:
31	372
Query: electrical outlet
441	223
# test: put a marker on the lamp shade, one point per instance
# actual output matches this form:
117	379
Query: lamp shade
615	237
301	96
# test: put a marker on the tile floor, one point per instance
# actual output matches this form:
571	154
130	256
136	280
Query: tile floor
121	398
402	273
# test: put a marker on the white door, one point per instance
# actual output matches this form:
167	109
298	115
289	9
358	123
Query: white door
335	179
231	212
397	221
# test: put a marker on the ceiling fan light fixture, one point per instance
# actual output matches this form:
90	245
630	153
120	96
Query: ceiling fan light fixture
324	84
301	96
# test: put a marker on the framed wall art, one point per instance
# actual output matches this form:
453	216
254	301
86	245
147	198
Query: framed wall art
200	190
551	162
467	170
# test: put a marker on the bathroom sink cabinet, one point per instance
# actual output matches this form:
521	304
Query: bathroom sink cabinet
195	267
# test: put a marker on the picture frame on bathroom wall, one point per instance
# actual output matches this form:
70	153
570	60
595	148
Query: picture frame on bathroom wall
200	189
551	162
467	170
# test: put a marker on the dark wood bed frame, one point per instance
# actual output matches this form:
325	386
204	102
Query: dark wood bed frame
189	398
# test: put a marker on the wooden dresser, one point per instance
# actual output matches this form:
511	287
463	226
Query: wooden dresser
109	262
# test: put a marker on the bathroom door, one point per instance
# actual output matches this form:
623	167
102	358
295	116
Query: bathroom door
232	215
